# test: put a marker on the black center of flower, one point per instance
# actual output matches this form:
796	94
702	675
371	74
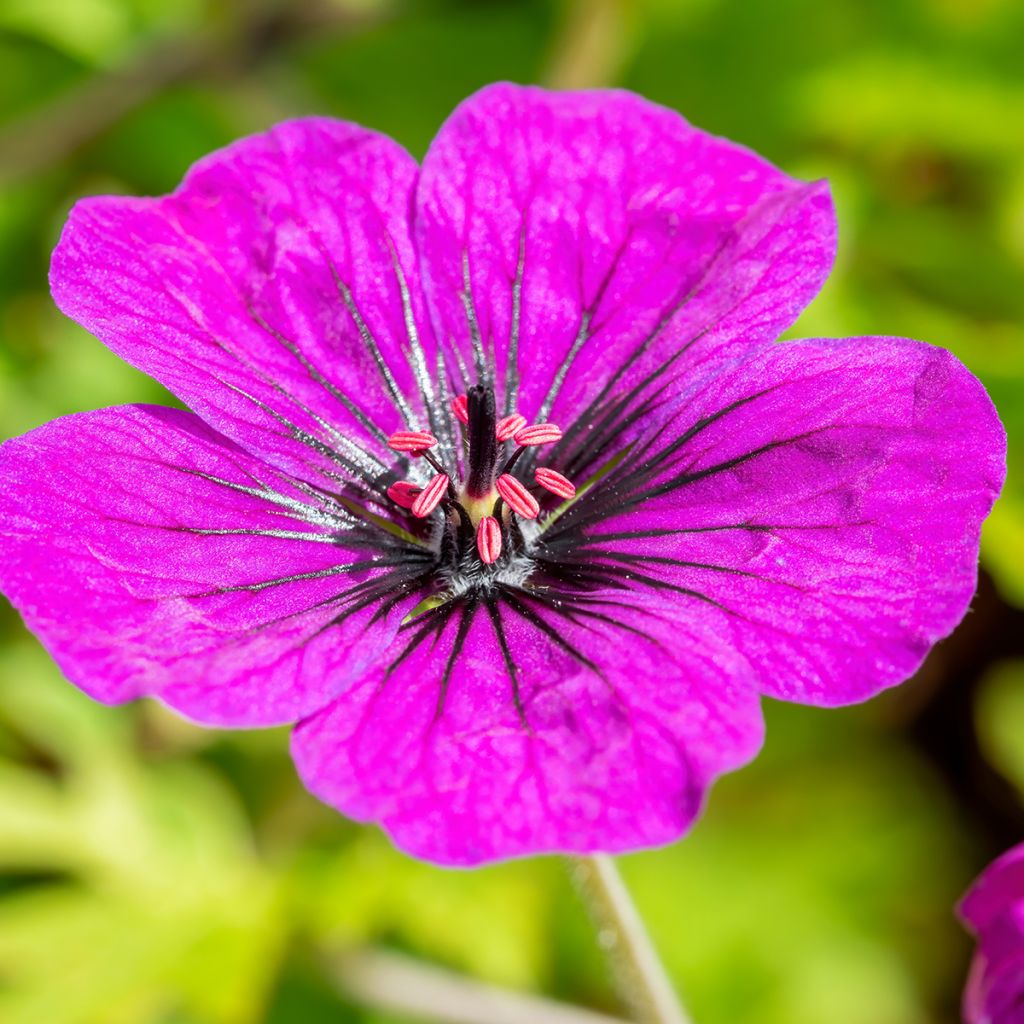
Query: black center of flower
480	521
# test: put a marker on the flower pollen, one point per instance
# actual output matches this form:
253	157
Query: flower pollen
538	433
404	493
509	426
431	495
412	441
517	497
460	408
488	540
554	482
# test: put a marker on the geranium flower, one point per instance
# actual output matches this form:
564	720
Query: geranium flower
495	480
994	910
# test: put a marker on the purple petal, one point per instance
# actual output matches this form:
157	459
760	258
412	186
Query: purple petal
596	236
274	292
153	556
603	732
994	910
999	885
824	498
995	993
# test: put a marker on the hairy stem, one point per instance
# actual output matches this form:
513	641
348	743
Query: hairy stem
638	971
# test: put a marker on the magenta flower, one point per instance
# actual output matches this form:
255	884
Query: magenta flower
994	910
495	480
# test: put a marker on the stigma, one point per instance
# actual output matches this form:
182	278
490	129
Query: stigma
482	511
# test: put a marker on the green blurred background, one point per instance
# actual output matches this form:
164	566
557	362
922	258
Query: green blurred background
156	873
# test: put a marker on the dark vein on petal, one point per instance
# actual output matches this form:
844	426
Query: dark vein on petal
314	443
673	530
483	369
465	622
572	608
623	496
247	365
688	295
334	570
583	334
523	610
510	665
285	506
435	624
445	431
582	337
631	558
319	378
372	347
369	592
322	538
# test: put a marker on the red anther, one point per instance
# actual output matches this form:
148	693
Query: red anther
517	497
555	482
460	406
429	497
509	425
488	539
414	441
539	433
404	493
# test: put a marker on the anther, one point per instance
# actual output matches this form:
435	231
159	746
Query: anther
538	433
517	497
413	441
555	482
404	493
488	540
431	495
460	407
509	425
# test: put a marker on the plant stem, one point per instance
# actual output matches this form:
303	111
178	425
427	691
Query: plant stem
639	973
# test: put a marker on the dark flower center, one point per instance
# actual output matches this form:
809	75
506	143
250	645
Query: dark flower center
482	517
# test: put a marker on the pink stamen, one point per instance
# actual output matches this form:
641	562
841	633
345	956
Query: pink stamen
488	539
460	407
430	496
555	482
509	425
404	493
539	433
414	441
517	497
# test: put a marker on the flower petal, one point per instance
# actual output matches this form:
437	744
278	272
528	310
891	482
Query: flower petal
274	292
153	556
591	238
995	993
999	887
994	910
532	727
824	497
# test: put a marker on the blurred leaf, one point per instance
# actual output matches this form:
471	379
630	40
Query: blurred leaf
98	31
904	99
999	714
490	922
157	899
